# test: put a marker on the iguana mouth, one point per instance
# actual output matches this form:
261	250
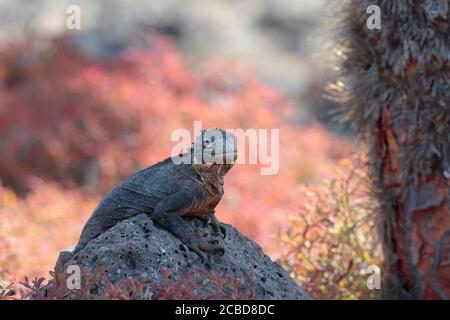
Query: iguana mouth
219	159
227	155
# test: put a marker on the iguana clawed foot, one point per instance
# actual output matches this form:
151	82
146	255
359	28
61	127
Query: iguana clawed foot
210	219
204	243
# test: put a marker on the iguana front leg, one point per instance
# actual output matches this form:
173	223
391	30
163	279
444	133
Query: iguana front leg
168	212
210	219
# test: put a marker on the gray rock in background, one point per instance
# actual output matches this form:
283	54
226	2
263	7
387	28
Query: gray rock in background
139	249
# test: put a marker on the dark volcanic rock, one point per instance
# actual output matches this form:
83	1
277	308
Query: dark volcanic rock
137	248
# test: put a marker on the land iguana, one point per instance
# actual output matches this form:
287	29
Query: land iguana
188	185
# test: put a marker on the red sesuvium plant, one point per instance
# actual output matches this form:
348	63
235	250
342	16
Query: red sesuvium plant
97	286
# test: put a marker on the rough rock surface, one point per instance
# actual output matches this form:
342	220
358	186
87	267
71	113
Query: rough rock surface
137	248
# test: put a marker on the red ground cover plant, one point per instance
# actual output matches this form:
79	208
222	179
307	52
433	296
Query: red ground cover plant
96	285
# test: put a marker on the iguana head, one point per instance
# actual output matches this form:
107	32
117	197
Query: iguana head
215	152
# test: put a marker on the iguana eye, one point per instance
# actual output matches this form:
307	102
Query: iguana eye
209	141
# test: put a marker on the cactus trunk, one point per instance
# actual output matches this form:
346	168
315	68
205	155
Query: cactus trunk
397	80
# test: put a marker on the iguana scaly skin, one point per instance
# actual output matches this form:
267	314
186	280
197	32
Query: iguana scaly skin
169	191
